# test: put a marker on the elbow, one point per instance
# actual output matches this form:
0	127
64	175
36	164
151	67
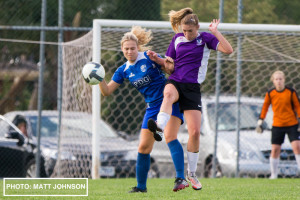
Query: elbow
229	51
105	94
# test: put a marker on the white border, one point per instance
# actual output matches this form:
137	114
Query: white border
87	186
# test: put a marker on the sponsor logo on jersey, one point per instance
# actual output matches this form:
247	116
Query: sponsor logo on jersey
142	82
131	75
143	68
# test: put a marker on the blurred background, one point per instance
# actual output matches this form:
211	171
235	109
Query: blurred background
20	48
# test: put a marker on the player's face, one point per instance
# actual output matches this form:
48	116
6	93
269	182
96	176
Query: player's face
130	50
190	31
278	81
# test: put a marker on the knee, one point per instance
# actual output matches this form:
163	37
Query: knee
170	138
194	134
169	96
275	152
144	148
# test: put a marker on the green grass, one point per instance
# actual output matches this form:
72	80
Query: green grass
224	188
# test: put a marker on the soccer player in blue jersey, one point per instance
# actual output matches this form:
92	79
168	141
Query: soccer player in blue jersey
190	51
147	77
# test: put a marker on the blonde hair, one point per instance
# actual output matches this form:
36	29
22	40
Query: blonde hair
140	36
183	16
277	72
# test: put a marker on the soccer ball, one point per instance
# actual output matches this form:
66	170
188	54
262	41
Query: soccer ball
93	73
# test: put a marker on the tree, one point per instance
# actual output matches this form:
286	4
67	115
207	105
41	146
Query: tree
254	11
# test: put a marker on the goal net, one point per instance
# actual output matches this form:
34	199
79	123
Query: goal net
262	50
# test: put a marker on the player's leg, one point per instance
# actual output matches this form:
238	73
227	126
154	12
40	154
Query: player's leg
294	137
193	119
278	134
274	160
176	151
296	150
143	160
171	95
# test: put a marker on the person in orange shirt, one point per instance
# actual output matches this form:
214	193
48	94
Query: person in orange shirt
286	108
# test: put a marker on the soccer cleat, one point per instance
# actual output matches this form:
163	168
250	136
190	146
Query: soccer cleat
180	184
137	190
157	132
192	178
273	177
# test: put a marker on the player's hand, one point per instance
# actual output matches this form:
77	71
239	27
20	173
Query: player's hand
259	128
169	60
213	27
169	65
152	55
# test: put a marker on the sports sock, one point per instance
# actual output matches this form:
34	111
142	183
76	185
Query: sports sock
274	167
142	168
297	156
162	120
192	161
178	157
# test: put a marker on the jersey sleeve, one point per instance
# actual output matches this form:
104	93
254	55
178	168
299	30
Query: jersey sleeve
211	41
118	76
296	103
265	106
151	61
171	49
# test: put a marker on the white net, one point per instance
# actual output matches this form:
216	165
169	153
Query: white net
262	52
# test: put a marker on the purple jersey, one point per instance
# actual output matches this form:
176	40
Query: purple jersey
191	57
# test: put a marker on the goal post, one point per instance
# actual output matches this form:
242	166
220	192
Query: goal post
99	23
265	48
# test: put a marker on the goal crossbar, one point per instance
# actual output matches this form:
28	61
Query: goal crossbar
96	57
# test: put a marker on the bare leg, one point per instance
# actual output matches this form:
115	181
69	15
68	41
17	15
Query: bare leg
193	119
296	149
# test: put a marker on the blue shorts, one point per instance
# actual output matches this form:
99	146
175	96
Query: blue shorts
153	109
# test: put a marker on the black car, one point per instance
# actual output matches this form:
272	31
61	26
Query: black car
17	152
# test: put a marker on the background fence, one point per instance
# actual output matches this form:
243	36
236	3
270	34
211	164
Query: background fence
259	58
262	52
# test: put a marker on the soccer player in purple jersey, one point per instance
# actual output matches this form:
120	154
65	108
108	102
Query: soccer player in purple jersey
147	77
190	51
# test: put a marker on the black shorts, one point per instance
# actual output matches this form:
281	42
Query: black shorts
278	134
189	95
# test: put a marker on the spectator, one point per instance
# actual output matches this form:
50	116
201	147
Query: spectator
21	123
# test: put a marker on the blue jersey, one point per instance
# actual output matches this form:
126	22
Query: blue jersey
145	75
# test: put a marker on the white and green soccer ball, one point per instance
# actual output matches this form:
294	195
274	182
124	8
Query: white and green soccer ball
93	73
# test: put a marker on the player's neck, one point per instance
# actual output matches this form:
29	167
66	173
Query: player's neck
280	89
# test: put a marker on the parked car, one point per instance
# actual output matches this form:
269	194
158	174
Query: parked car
255	148
118	156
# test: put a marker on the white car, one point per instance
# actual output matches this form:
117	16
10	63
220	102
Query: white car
118	156
254	148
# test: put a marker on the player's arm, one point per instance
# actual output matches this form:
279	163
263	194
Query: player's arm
296	102
224	46
107	89
264	110
167	64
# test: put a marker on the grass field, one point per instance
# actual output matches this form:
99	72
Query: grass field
224	188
